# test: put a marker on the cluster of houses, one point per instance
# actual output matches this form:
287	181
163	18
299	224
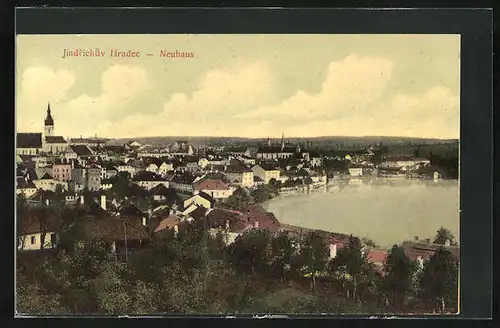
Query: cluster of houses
180	182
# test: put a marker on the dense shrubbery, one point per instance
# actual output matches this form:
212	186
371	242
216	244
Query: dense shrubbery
194	272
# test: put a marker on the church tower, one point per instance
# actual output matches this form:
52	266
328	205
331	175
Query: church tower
49	123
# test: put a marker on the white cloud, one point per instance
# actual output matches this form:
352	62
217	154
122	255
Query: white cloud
119	86
38	86
350	86
353	100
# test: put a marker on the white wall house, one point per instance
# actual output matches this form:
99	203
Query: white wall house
356	171
32	241
266	174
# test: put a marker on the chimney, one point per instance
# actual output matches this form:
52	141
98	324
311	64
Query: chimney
333	251
103	201
415	238
82	200
144	221
256	224
428	240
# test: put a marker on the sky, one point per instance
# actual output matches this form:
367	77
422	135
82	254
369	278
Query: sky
254	86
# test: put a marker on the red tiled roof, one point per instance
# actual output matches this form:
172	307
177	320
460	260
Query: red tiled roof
376	256
211	185
266	220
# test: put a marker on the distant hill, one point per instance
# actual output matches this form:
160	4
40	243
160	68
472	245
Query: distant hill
325	140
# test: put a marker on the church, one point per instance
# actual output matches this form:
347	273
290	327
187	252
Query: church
282	151
36	143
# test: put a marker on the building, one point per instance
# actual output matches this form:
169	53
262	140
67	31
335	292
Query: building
52	144
355	170
240	175
124	167
29	143
25	186
149	180
282	151
404	162
217	189
183	182
200	199
93	178
266	172
61	171
89	142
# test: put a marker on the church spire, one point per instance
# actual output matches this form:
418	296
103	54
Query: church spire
282	141
49	121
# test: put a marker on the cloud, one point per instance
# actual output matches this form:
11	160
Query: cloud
353	100
38	86
120	85
350	85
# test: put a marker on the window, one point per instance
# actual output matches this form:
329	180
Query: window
33	240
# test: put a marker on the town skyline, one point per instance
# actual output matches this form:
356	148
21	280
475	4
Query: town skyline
373	85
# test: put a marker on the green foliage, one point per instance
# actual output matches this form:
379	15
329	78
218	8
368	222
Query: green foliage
252	251
350	264
194	272
400	273
442	235
239	199
439	281
313	255
263	193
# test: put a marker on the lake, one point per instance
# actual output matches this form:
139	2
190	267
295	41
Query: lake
386	211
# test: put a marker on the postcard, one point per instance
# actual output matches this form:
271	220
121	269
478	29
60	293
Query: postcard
236	174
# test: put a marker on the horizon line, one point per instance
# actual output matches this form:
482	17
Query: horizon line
293	137
95	136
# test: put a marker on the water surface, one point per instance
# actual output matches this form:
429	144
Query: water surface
386	211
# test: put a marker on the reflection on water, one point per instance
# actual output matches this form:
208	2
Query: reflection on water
386	211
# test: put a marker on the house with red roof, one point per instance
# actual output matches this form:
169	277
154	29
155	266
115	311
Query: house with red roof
377	257
217	189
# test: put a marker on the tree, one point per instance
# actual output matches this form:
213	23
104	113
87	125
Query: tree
313	255
399	275
443	235
252	250
350	262
284	249
111	290
239	199
42	214
261	194
370	243
439	281
59	195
